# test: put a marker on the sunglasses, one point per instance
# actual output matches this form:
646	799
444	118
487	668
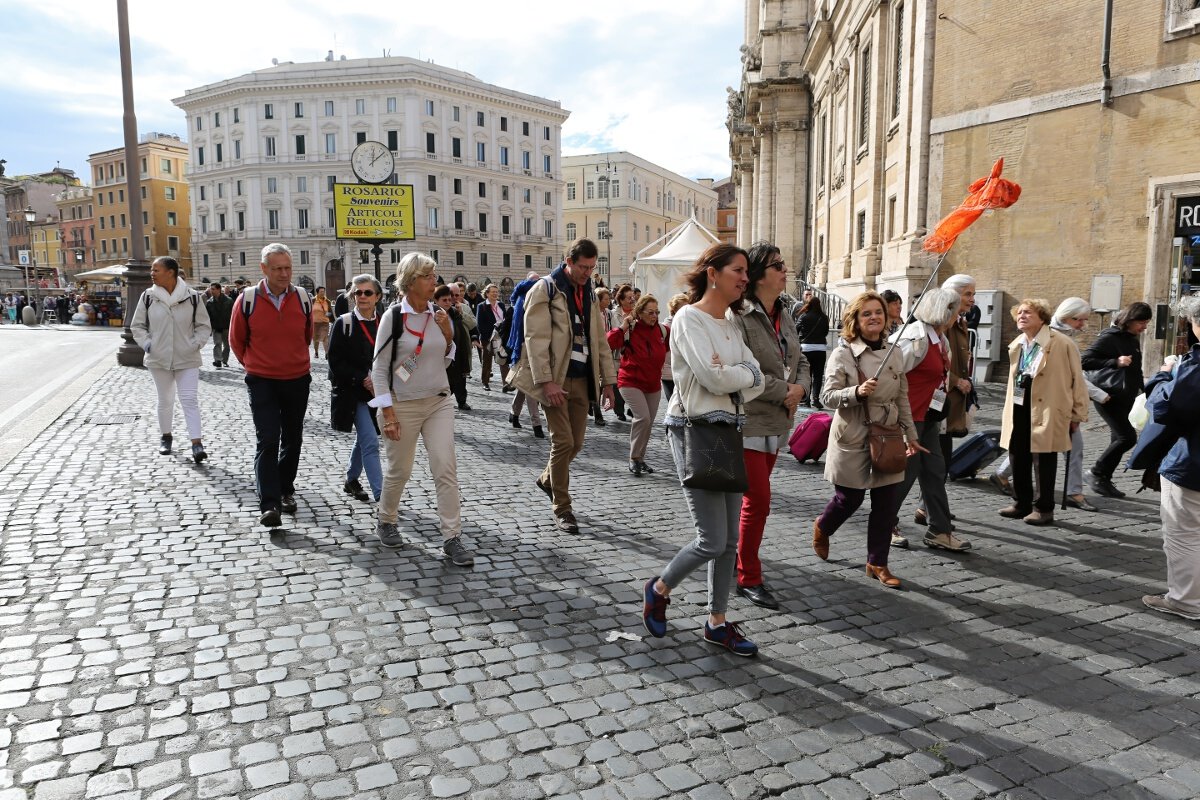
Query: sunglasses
778	265
364	292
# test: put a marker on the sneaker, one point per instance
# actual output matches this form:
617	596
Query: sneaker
635	468
288	504
1103	486
654	610
1160	603
729	637
458	553
355	490
898	538
270	518
566	522
946	541
646	468
389	535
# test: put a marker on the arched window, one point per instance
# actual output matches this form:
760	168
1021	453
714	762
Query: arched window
571	228
307	283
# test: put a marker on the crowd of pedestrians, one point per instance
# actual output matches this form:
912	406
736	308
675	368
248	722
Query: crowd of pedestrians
735	359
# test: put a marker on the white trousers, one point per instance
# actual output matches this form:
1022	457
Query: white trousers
431	420
187	382
1181	543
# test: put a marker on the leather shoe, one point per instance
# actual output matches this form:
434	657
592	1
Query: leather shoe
1036	517
1012	512
514	421
600	423
538	433
164	446
1104	486
759	595
883	575
463	407
820	542
1080	502
635	468
545	487
646	468
288	504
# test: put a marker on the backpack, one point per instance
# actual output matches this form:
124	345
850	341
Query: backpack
249	297
393	340
194	298
516	334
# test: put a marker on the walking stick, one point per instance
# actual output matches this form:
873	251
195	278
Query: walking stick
1066	477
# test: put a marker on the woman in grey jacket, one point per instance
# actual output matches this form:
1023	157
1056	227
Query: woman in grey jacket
170	322
773	340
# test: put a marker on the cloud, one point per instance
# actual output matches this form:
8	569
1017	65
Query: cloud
647	76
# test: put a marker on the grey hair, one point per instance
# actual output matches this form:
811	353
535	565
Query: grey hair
1072	307
959	282
1189	308
489	287
274	247
413	266
365	278
938	307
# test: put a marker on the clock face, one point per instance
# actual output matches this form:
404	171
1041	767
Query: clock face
372	162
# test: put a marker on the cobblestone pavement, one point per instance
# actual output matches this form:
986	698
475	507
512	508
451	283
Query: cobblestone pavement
155	643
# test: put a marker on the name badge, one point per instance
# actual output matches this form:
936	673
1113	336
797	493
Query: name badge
938	401
787	374
1019	397
406	369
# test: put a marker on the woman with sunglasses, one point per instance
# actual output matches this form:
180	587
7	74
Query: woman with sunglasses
351	353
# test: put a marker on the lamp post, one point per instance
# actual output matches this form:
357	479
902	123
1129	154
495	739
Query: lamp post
30	218
610	169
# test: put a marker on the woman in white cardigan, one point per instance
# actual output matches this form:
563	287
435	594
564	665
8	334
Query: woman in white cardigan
171	324
709	361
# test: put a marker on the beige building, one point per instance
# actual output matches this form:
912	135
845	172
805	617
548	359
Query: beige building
165	208
726	229
1110	168
625	203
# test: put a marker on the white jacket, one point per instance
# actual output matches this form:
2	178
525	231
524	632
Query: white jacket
912	344
709	360
174	329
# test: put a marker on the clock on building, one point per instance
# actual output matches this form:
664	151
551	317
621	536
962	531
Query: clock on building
372	162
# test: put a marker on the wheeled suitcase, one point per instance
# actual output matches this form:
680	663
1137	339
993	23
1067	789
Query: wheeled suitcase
811	437
975	453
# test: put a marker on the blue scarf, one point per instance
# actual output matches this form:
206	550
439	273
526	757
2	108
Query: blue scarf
516	336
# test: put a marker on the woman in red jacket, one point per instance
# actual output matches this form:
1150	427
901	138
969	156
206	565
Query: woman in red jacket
643	345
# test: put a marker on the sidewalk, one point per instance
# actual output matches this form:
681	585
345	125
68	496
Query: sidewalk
155	643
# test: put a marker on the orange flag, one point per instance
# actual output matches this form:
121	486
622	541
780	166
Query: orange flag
985	193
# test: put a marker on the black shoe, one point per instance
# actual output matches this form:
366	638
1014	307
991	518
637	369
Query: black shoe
759	595
463	407
509	388
545	488
514	420
164	446
622	418
198	453
224	363
288	504
646	468
270	518
537	432
487	388
217	364
1103	486
355	490
636	468
600	423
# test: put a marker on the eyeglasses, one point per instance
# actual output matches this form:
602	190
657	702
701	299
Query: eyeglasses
778	265
651	313
364	292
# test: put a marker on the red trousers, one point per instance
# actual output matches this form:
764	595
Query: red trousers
756	505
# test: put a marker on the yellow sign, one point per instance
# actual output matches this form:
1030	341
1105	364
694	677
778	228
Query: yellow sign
367	211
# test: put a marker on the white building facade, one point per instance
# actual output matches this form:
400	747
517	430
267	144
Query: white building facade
266	148
624	203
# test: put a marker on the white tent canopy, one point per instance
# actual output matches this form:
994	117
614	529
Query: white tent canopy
661	274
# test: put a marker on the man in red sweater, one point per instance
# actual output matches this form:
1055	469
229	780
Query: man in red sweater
270	331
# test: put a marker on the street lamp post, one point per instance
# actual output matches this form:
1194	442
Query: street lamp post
30	218
610	169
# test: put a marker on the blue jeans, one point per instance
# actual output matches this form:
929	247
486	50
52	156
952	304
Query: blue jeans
278	409
365	454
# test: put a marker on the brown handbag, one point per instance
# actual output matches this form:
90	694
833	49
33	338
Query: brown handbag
889	454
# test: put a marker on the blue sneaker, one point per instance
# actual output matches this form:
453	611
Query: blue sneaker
729	637
654	610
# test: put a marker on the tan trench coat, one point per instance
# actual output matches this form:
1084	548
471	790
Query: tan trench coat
848	459
547	350
1058	395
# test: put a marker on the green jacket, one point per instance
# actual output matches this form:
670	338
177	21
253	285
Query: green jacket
219	309
766	415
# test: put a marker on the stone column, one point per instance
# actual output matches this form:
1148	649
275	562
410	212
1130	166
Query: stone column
764	227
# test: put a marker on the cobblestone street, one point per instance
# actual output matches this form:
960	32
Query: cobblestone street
156	643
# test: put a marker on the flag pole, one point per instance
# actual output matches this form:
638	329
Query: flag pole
933	274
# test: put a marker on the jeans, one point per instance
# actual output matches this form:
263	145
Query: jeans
568	425
756	507
187	381
278	408
816	365
930	470
715	515
365	453
221	346
885	501
1123	437
643	407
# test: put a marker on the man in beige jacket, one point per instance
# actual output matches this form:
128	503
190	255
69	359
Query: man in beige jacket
565	366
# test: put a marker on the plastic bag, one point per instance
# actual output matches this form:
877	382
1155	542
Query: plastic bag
1138	415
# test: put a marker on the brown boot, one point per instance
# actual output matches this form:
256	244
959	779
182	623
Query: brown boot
820	542
883	575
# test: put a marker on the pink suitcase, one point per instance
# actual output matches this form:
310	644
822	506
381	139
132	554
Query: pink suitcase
811	437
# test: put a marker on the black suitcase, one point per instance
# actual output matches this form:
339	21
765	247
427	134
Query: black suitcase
975	453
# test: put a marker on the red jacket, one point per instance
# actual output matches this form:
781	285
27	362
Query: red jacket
272	343
642	357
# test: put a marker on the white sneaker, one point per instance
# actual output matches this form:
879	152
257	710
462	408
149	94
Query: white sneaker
898	538
1160	603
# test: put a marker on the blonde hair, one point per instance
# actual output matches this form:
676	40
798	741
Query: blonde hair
1042	307
677	302
850	330
411	267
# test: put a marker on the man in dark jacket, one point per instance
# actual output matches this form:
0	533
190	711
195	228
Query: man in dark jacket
219	307
460	368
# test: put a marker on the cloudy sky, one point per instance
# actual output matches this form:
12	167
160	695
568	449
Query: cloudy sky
647	76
